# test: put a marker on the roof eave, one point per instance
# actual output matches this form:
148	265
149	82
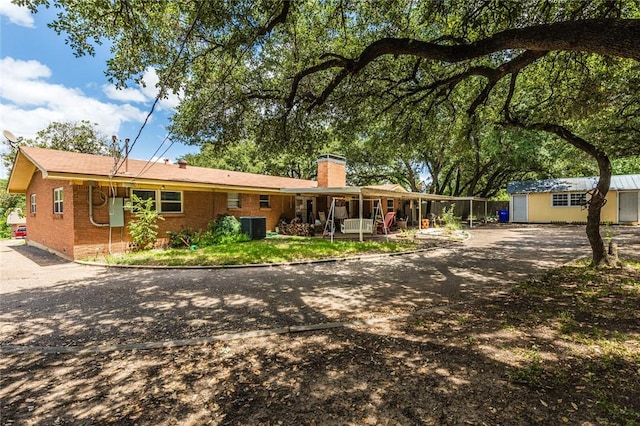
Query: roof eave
22	173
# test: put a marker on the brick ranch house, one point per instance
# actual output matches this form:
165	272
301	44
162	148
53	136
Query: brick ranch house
75	202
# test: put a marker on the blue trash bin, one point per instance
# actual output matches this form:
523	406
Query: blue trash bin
503	216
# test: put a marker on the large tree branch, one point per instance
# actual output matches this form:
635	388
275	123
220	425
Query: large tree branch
611	37
279	19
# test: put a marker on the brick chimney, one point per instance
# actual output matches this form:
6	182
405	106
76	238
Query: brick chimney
182	164
332	171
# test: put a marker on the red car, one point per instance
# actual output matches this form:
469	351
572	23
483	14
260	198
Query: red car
21	232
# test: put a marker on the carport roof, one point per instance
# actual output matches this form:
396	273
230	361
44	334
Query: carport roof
375	191
582	184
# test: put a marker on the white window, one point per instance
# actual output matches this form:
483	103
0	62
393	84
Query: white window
578	199
265	202
233	200
560	200
170	202
390	205
58	197
146	194
33	203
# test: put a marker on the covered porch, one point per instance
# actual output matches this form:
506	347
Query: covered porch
361	210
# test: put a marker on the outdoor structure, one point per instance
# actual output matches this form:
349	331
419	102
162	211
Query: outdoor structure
16	219
564	200
76	203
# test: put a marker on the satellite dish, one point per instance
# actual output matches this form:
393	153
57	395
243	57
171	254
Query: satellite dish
12	138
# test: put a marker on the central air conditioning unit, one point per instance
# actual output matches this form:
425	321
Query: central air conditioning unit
254	226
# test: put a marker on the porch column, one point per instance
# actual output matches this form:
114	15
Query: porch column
360	206
419	213
471	213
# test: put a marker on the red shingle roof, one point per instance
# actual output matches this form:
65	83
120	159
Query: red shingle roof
73	163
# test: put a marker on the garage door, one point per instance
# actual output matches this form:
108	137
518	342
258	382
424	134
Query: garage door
628	206
519	209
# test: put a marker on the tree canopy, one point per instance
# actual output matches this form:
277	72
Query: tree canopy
80	136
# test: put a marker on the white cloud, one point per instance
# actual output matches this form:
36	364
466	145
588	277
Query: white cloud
29	102
125	95
17	15
143	93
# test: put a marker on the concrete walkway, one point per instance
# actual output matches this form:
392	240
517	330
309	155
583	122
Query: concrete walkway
47	304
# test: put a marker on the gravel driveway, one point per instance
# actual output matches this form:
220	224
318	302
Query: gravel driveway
45	301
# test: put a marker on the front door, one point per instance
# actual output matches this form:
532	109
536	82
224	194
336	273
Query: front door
628	204
519	207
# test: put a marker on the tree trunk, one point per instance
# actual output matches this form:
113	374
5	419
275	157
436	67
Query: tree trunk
600	255
593	228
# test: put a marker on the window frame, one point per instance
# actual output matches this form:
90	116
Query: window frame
158	201
179	202
577	199
32	203
153	191
264	203
58	201
391	202
560	200
237	202
568	199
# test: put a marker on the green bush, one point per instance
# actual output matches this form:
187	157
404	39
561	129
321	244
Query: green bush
451	223
5	229
224	229
144	228
185	238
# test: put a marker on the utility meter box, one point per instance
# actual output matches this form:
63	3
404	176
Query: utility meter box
116	212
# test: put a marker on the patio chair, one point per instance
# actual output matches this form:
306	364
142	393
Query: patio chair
385	226
323	218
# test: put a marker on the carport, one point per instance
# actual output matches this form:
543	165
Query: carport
357	198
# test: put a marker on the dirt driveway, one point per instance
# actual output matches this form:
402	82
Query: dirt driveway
49	302
463	365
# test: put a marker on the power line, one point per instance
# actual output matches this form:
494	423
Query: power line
225	75
162	89
149	163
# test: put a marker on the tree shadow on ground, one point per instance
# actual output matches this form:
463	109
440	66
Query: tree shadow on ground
130	305
462	365
38	256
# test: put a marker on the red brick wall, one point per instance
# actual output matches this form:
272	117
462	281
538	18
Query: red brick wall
57	231
54	231
72	234
92	240
250	206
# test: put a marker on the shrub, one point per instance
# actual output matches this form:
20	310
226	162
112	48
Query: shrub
185	238
224	229
451	223
143	229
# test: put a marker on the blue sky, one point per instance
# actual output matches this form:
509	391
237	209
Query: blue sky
41	82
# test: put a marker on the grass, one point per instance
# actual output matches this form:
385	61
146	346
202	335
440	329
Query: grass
593	315
272	250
